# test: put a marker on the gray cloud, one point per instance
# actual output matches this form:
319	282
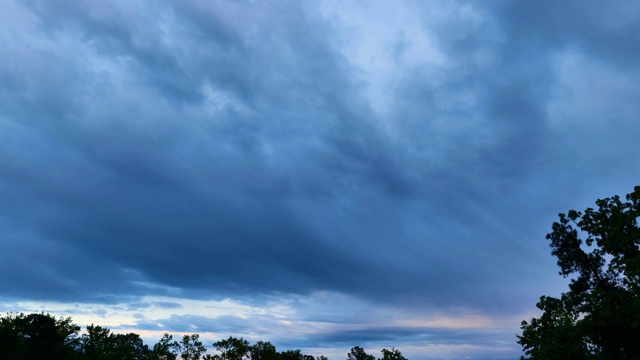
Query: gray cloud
231	150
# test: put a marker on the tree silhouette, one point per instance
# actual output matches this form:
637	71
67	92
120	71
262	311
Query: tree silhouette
263	351
358	353
392	354
45	337
232	348
599	317
191	348
165	349
37	336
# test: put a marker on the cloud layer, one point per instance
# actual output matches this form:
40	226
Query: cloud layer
408	156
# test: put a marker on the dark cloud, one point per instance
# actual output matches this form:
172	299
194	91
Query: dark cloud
231	150
588	26
411	335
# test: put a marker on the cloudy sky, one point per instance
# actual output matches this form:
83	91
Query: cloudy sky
318	174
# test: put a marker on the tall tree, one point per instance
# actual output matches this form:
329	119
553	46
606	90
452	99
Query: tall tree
296	354
191	348
393	354
291	355
263	351
358	353
11	345
232	349
165	349
599	317
128	347
37	336
95	343
99	343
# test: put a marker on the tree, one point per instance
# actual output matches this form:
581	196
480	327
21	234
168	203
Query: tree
294	355
555	335
95	343
128	347
98	343
263	351
11	345
37	336
232	349
165	349
392	354
191	348
599	317
358	353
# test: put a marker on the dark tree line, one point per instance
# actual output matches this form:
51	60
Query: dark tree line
45	337
599	317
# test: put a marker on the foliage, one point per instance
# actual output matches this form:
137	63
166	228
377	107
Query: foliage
95	342
37	336
263	351
392	354
99	343
232	349
294	355
358	353
128	346
45	337
599	317
191	348
165	349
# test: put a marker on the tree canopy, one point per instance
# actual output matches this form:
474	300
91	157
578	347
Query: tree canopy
358	353
37	336
45	337
599	317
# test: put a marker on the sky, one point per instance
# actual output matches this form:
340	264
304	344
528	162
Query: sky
318	174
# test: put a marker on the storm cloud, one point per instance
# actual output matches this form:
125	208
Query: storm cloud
405	156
